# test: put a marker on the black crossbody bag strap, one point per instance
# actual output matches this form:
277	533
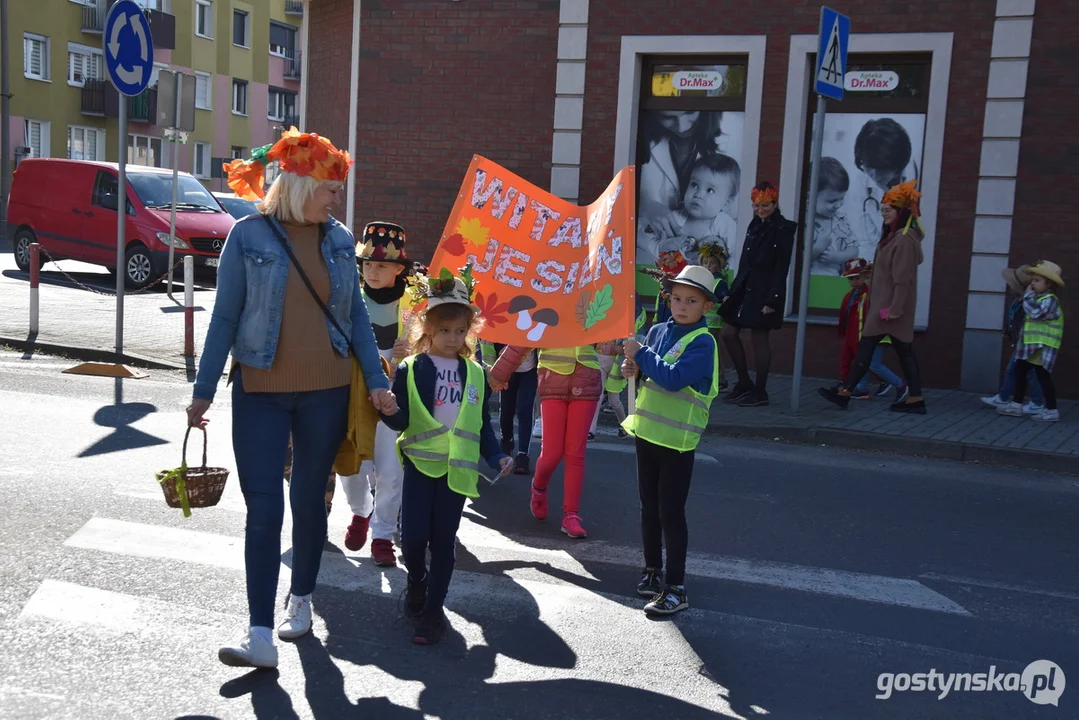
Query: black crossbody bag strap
307	281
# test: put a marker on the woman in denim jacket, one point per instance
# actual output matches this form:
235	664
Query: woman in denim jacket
290	369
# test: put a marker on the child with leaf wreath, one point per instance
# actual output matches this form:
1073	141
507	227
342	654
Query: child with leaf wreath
570	385
445	429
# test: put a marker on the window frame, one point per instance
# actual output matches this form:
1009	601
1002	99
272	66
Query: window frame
208	79
236	85
246	44
207	158
99	141
295	37
46	64
133	147
238	152
44	136
97	57
207	7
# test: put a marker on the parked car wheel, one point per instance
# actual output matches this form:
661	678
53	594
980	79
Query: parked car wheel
138	268
23	240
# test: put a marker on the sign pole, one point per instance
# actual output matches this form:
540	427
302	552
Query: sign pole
807	250
175	178
121	227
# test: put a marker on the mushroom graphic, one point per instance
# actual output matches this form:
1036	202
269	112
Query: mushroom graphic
543	318
520	306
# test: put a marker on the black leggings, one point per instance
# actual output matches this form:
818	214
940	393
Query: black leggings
905	350
762	354
663	477
1045	379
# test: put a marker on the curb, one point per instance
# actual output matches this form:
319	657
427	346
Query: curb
88	354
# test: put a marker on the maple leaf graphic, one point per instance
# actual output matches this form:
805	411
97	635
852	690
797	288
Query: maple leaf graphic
454	245
491	309
473	231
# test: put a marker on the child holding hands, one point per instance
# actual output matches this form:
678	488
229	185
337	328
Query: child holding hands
445	428
679	365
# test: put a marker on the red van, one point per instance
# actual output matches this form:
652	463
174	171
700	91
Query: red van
69	207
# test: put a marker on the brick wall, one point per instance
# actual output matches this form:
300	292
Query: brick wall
1045	226
439	82
972	22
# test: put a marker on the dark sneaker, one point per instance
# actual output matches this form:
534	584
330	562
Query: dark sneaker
914	408
431	627
651	583
591	436
520	465
902	393
884	388
668	602
756	398
622	433
736	394
415	597
861	395
833	396
723	385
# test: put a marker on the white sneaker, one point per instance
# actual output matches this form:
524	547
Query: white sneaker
1031	409
1012	409
297	618
254	650
537	428
1044	415
994	401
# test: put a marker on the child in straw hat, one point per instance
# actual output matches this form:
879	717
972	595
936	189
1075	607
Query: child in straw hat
1017	280
1039	339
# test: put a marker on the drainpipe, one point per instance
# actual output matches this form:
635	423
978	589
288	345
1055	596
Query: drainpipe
5	120
353	112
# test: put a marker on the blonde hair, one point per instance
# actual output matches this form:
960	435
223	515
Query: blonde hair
287	196
419	340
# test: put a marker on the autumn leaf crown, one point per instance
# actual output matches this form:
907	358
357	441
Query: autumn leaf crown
303	154
444	285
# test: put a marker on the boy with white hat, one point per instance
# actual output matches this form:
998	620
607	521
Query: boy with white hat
679	364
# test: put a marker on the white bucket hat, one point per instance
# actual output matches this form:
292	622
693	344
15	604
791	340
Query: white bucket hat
697	276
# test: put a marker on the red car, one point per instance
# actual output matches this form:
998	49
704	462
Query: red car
69	207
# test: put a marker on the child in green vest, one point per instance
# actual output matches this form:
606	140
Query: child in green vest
445	429
679	366
1039	340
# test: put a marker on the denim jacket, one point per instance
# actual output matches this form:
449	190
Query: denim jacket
251	279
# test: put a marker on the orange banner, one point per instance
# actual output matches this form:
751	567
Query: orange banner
549	273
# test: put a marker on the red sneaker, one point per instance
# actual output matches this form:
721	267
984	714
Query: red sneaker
539	503
356	535
382	552
571	525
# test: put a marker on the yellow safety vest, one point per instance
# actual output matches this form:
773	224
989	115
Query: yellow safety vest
614	382
674	420
1047	333
436	450
487	353
563	360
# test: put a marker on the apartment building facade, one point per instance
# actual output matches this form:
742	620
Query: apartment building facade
245	57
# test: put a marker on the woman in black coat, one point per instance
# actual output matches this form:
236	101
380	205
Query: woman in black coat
758	294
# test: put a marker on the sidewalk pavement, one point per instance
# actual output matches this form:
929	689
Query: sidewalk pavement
80	324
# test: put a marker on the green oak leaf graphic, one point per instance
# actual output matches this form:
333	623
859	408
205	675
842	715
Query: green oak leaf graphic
600	305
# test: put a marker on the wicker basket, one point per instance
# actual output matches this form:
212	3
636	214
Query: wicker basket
198	487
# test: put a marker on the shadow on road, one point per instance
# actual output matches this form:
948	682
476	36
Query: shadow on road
121	416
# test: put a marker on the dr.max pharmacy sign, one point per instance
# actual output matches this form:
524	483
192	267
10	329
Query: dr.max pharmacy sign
871	81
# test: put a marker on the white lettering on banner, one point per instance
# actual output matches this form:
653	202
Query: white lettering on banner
871	81
697	80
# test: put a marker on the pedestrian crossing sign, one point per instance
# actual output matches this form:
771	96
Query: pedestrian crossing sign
832	53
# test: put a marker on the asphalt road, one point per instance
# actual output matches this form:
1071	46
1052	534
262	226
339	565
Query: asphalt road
812	572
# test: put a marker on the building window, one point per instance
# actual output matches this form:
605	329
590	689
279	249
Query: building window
35	56
85	143
239	97
282	106
203	94
37	137
202	160
143	150
204	18
282	40
164	6
239	152
83	63
240	29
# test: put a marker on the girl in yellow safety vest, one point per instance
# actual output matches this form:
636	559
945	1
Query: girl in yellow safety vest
1040	340
445	430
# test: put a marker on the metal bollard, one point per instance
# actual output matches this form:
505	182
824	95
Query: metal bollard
35	271
189	307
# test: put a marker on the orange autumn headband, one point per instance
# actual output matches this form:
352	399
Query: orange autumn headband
763	195
303	154
904	196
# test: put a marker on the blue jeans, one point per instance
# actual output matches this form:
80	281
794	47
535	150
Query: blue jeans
1007	388
261	425
430	516
878	368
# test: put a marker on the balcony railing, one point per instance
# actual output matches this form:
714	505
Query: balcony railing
93	98
143	107
293	7
293	65
93	17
